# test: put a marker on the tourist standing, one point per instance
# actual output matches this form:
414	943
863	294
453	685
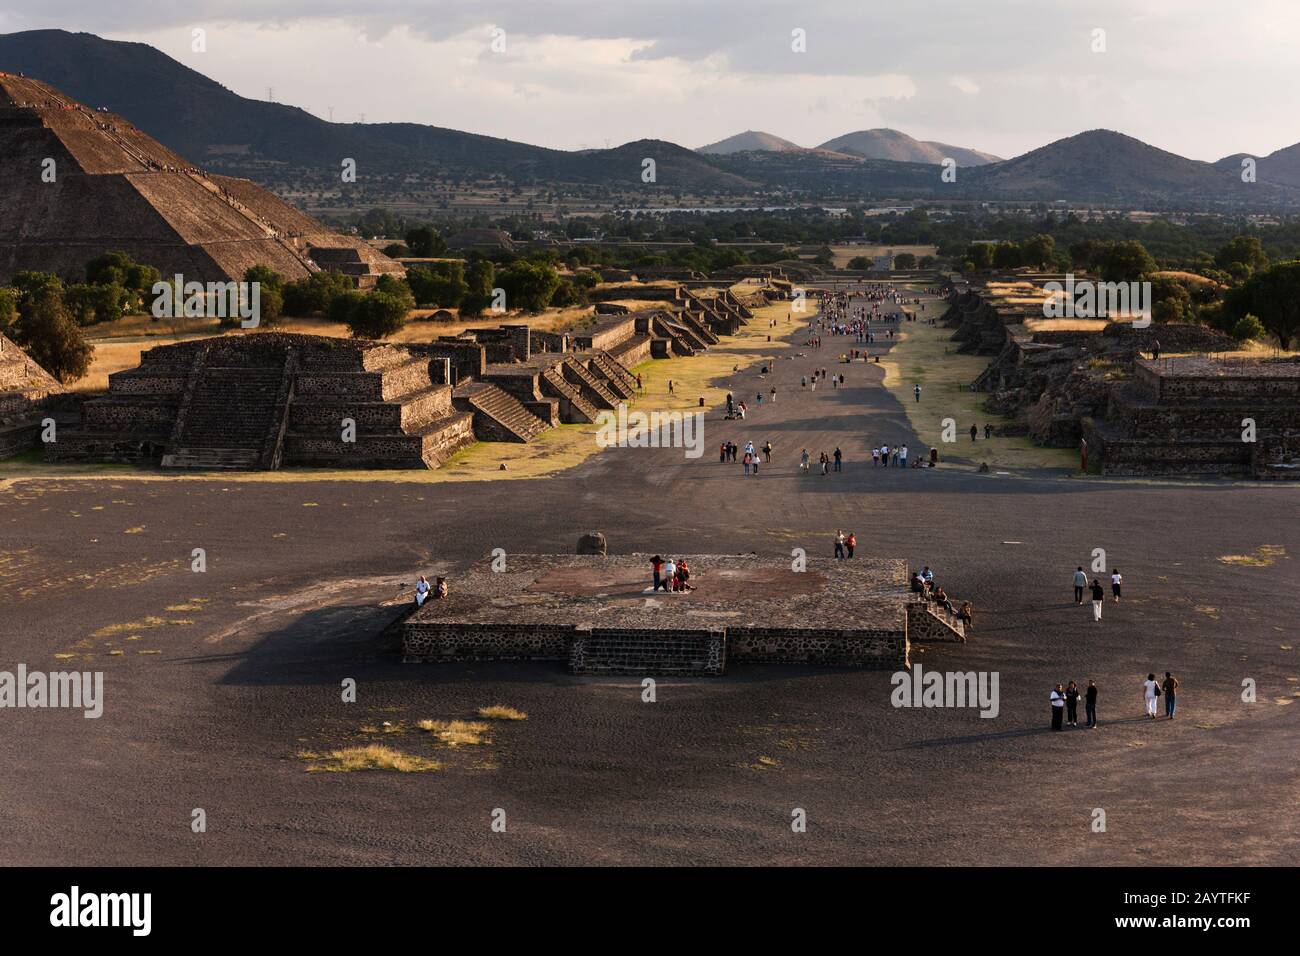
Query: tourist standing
1151	691
1098	599
1080	582
902	457
670	574
746	462
839	457
1116	581
974	433
839	545
1171	689
803	461
767	451
825	462
656	566
1072	704
875	457
1090	705
851	543
1058	706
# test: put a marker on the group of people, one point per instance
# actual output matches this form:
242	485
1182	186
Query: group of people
1097	592
845	544
824	461
424	590
670	575
1064	701
923	583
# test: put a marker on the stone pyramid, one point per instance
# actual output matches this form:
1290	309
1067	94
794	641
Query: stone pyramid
116	188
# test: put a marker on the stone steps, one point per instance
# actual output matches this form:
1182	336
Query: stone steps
589	384
507	419
580	410
213	459
617	379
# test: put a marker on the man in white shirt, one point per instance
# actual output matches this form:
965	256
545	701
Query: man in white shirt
1058	706
902	457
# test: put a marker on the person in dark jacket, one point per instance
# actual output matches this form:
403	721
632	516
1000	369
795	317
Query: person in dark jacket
1072	704
1090	705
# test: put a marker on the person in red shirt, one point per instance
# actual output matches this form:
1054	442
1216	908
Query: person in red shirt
656	565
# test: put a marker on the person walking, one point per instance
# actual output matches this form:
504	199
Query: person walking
902	457
1151	691
1080	582
803	460
1090	705
1058	706
1116	581
916	391
851	543
671	391
1098	599
875	457
839	458
839	545
1072	704
1170	686
974	433
825	462
767	452
746	462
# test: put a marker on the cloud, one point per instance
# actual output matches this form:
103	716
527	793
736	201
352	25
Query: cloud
576	71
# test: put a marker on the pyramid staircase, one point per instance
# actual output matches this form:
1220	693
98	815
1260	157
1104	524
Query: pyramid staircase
498	415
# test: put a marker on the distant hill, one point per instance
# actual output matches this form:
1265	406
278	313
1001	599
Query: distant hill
211	126
747	141
1108	166
899	147
1280	168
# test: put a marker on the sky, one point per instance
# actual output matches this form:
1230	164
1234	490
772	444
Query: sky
1201	78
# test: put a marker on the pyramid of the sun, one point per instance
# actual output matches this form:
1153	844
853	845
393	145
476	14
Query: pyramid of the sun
114	188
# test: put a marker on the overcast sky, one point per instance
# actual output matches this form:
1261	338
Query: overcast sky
1202	78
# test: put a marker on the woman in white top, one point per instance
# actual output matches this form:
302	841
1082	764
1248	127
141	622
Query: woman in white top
1058	706
1116	580
1152	691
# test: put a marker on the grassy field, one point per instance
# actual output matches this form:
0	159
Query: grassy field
928	358
555	450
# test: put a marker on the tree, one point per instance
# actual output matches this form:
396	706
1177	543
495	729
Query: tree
529	285
1242	251
52	339
1038	250
905	260
1006	256
1247	327
342	305
980	255
270	295
1088	253
396	286
377	316
312	295
8	307
425	243
481	278
926	262
1274	297
1127	261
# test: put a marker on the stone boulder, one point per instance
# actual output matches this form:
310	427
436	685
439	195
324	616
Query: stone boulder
592	543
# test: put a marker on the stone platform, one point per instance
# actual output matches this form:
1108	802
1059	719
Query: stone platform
598	614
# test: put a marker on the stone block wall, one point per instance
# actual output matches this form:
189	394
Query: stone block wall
875	648
427	643
649	652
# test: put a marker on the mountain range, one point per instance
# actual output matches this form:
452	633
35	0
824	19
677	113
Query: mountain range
273	143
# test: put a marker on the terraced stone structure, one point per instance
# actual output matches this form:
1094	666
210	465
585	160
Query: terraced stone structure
266	399
27	391
598	615
114	188
1187	415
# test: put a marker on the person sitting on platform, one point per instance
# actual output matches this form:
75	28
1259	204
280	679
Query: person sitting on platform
684	576
421	591
440	589
965	614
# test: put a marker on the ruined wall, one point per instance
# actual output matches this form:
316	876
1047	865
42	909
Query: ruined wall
426	643
652	652
860	648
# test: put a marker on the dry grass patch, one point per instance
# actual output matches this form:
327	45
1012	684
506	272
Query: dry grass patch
1265	556
370	757
501	712
112	629
457	733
